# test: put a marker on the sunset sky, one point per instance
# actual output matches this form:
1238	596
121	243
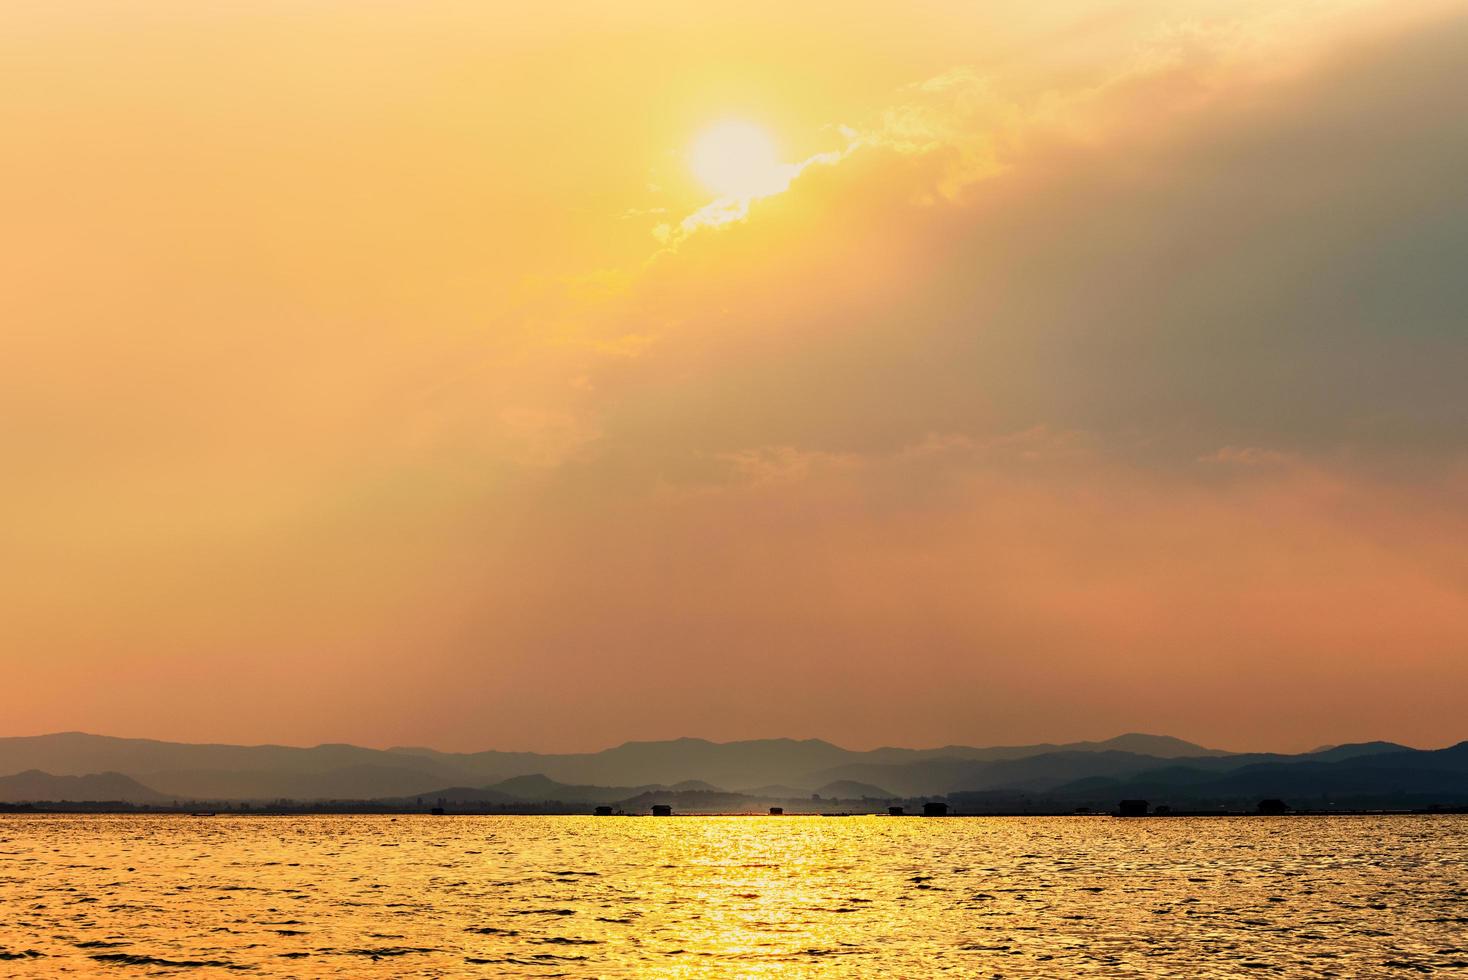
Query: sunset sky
542	376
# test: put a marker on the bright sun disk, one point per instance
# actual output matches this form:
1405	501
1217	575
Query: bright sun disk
737	160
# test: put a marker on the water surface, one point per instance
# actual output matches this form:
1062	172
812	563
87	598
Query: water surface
376	896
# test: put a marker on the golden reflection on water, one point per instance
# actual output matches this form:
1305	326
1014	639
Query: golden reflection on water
731	896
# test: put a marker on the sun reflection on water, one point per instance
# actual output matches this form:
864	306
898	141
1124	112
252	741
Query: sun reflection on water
731	896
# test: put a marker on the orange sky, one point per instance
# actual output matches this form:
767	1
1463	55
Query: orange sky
383	372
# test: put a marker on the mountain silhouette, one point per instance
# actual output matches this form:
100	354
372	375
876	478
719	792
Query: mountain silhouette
267	772
33	785
849	789
144	770
1385	778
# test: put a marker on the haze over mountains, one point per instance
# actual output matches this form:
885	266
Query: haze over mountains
204	771
78	767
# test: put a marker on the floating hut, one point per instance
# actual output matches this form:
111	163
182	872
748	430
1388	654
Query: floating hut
662	810
1274	806
603	811
777	811
935	808
1132	808
895	811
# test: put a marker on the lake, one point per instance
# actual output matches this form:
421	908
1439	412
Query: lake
378	896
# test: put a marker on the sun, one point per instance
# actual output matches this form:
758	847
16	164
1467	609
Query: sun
737	160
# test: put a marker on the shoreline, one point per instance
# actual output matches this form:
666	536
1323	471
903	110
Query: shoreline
199	812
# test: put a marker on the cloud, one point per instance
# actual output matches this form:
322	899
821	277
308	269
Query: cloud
1112	381
946	423
1270	266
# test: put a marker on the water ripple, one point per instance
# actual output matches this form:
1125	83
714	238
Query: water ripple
715	897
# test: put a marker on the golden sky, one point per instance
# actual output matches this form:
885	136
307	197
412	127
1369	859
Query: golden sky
482	375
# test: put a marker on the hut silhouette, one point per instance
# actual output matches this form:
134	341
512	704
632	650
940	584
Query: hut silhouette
662	810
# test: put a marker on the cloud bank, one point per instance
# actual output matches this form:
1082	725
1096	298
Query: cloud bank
1107	384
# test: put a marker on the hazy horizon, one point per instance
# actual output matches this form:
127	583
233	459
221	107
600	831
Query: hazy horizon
618	743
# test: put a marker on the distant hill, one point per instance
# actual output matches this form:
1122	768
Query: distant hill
1378	778
778	770
356	782
224	772
1038	772
691	796
1335	753
804	764
453	794
1158	746
1161	746
539	788
848	789
74	753
692	801
775	791
664	763
333	771
35	786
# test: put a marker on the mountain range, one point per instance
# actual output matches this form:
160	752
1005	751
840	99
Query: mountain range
78	767
334	771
